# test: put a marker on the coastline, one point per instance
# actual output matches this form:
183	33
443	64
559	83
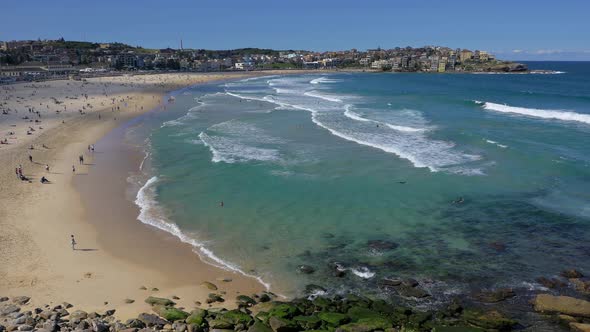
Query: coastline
38	219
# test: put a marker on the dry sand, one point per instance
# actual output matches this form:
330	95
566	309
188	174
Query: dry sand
36	219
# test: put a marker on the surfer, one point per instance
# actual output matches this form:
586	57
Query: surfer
221	204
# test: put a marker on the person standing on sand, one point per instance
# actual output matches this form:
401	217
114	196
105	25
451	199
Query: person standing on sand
30	158
46	167
73	241
73	169
81	159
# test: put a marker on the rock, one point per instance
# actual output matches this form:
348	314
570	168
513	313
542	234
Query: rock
569	274
259	327
8	309
152	300
307	322
264	298
110	312
407	291
278	324
312	289
135	323
495	296
98	326
21	300
174	297
220	324
333	318
151	320
197	317
245	300
129	301
305	269
155	289
488	320
284	310
143	288
224	279
581	286
78	315
551	283
389	282
215	298
562	304
409	282
358	313
236	317
26	327
579	327
67	305
382	245
209	285
170	314
366	325
3	299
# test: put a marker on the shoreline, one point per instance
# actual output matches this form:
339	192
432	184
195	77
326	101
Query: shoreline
37	219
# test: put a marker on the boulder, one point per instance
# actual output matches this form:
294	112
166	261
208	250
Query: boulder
99	326
264	297
236	317
152	300
209	285
409	291
307	322
305	269
245	300
569	274
366	325
21	300
151	320
284	310
197	317
259	327
562	304
25	327
579	327
495	296
170	314
551	283
333	318
135	323
78	315
488	320
278	324
8	309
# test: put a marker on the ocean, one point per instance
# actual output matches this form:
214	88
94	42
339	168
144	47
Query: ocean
461	181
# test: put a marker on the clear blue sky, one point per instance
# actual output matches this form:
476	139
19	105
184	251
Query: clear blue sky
516	29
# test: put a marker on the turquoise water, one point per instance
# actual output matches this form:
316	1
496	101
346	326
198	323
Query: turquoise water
460	181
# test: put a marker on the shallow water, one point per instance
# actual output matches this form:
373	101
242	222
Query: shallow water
310	168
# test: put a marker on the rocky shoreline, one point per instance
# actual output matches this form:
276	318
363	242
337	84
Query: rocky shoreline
346	313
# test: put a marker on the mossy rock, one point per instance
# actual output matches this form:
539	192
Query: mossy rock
279	324
333	318
284	310
307	322
245	300
170	314
456	329
220	324
366	325
259	327
262	316
152	300
382	306
236	317
488	319
197	317
357	313
321	302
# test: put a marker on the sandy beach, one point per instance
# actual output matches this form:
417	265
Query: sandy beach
118	258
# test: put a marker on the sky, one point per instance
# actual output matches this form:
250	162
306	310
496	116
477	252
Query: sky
513	30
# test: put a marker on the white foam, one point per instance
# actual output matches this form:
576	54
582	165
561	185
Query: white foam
355	116
230	150
316	94
323	80
363	272
151	214
562	115
496	143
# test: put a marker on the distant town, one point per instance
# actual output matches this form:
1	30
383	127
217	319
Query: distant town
52	59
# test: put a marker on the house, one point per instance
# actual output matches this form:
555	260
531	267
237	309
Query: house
465	55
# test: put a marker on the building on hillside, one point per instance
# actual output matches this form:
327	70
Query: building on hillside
442	65
465	55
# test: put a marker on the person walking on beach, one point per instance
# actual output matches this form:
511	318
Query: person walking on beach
81	159
73	169
46	167
30	158
73	241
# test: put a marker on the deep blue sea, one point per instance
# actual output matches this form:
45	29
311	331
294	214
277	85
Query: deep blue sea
461	181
